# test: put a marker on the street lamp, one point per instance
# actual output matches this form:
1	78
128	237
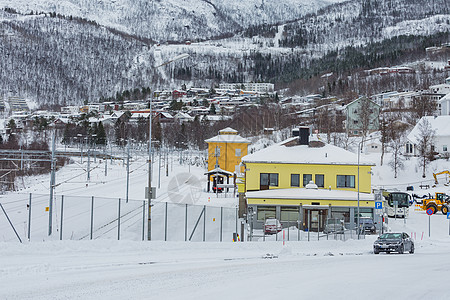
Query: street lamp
149	190
359	150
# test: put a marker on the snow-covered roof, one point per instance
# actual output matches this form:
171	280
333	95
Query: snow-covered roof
445	98
216	117
304	154
441	125
140	114
228	130
228	138
303	193
220	171
166	115
184	115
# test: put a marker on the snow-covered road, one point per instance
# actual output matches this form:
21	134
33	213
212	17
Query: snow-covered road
106	269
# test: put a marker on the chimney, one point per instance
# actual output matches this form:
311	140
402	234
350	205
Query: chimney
304	135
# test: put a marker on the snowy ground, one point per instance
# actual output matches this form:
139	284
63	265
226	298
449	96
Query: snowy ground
131	269
106	269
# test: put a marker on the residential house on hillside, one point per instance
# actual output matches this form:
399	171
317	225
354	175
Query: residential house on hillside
305	180
442	89
17	104
444	105
441	142
362	116
215	118
182	117
164	117
260	87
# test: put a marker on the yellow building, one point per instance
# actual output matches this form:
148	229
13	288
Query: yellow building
226	150
307	181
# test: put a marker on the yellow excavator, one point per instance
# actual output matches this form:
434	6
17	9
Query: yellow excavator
436	174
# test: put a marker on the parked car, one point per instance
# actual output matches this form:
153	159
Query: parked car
393	242
272	226
367	225
334	225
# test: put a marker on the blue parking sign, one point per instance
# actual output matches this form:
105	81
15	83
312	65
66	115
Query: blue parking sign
378	204
448	215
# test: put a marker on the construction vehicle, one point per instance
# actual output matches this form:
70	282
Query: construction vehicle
440	202
436	174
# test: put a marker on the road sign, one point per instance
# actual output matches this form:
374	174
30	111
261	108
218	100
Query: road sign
378	204
430	212
448	215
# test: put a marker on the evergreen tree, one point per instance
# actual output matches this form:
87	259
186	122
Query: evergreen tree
212	109
101	134
66	134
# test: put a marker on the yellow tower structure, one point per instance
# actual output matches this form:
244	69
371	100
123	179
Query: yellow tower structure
226	150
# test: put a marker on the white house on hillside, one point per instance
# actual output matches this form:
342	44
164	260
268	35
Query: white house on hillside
441	142
444	105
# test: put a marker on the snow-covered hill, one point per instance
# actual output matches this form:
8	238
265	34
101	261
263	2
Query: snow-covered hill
175	20
63	52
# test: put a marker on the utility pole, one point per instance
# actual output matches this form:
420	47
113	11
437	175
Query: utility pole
52	186
106	161
89	165
128	168
149	191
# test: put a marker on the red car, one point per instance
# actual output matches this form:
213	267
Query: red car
272	226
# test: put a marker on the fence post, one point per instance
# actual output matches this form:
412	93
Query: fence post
92	216
298	225
29	218
10	223
289	223
118	223
204	222
143	220
186	223
221	222
165	224
309	223
61	225
318	227
236	220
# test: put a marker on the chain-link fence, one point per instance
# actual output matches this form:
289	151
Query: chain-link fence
32	217
294	234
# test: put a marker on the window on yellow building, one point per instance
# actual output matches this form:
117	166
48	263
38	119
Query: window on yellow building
295	180
289	214
266	212
320	180
268	179
345	181
306	179
238	152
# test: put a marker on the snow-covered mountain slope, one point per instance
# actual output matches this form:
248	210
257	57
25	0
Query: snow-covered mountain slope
175	20
81	50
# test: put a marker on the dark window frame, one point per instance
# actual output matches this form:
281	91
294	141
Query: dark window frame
317	182
271	178
347	181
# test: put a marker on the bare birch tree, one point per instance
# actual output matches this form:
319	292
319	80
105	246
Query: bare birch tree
425	139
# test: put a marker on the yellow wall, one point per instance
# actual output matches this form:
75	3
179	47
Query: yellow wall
227	159
330	172
297	202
